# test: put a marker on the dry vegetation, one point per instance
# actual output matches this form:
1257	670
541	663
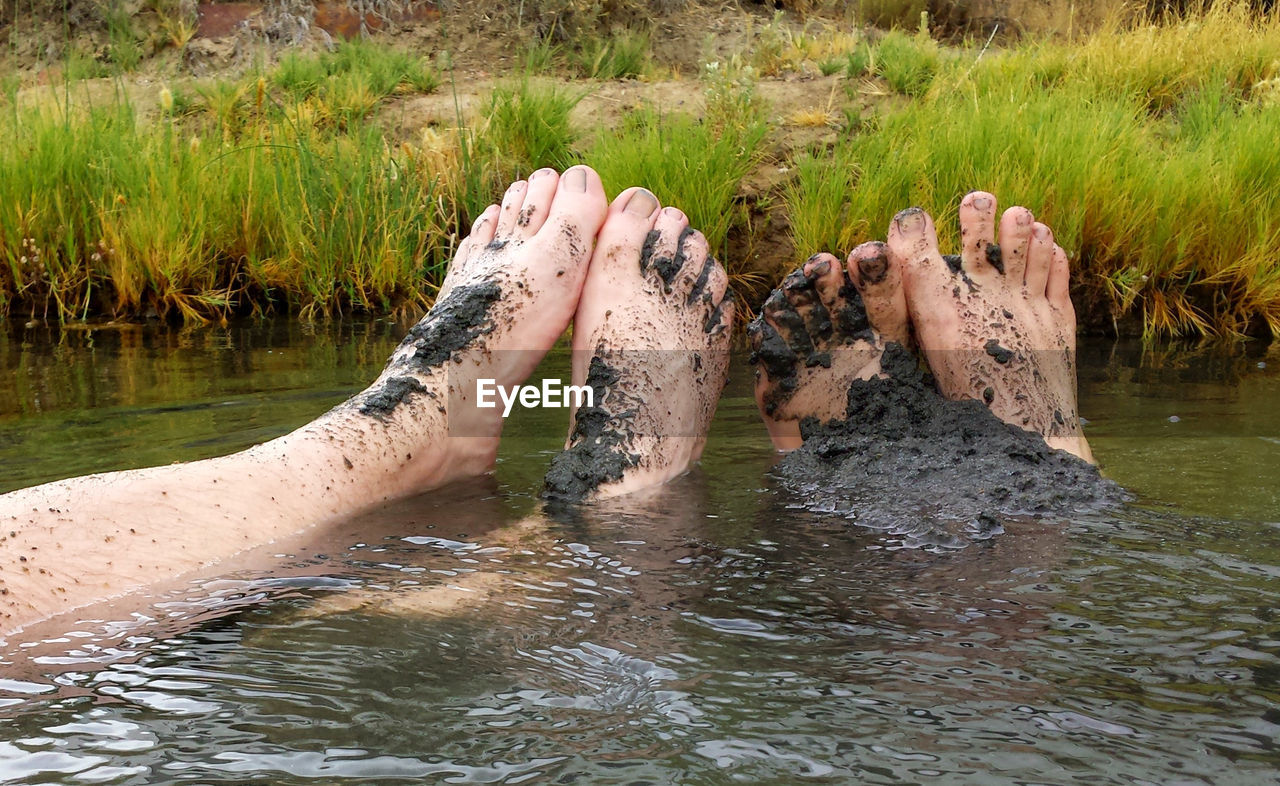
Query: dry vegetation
282	184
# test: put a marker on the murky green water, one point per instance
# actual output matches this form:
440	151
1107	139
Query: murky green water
708	634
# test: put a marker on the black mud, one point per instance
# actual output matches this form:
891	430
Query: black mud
931	472
600	446
780	351
667	267
452	324
391	394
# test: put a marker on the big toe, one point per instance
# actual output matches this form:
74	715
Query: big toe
927	279
879	281
576	214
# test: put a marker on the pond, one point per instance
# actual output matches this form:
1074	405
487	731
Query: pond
709	633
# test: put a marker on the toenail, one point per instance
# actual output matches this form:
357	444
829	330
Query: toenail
910	220
1024	217
541	172
673	212
982	203
820	269
641	203
873	269
575	178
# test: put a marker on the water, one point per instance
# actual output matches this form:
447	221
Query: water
705	634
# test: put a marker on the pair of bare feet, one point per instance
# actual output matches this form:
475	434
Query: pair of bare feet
994	323
651	320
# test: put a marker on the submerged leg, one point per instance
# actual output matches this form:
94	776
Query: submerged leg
509	294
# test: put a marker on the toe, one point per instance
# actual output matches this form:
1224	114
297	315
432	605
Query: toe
788	324
664	254
979	252
828	280
483	229
879	282
717	282
927	281
1015	242
913	239
1058	289
719	321
537	202
577	211
512	201
1039	259
480	236
627	227
800	292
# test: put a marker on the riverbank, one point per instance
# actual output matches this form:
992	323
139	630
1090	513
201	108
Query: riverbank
317	181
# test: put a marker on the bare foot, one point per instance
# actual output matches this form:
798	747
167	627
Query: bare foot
826	326
651	339
509	295
995	323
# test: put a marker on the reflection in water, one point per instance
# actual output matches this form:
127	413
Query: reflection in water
702	633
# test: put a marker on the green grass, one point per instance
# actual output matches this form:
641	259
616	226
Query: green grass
907	63
356	66
249	204
695	164
1149	150
1154	166
620	55
524	127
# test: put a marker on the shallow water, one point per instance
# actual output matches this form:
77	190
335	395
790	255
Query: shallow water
708	633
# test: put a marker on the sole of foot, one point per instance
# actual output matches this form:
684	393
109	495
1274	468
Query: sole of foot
824	328
510	293
651	340
995	323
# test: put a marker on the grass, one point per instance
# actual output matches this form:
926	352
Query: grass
1149	151
356	67
907	63
695	163
621	55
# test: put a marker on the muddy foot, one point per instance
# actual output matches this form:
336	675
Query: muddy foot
826	326
509	294
651	339
995	323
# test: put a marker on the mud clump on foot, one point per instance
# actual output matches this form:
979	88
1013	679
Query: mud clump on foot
599	447
391	394
780	352
453	324
932	472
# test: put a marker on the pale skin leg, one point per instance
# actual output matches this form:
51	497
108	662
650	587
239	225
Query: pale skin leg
79	541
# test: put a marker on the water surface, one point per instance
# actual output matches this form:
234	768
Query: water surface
709	633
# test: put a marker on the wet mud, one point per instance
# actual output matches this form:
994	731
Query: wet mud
802	323
452	325
929	471
600	447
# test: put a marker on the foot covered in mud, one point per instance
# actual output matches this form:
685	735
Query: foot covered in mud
510	293
995	323
929	462
651	340
826	326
